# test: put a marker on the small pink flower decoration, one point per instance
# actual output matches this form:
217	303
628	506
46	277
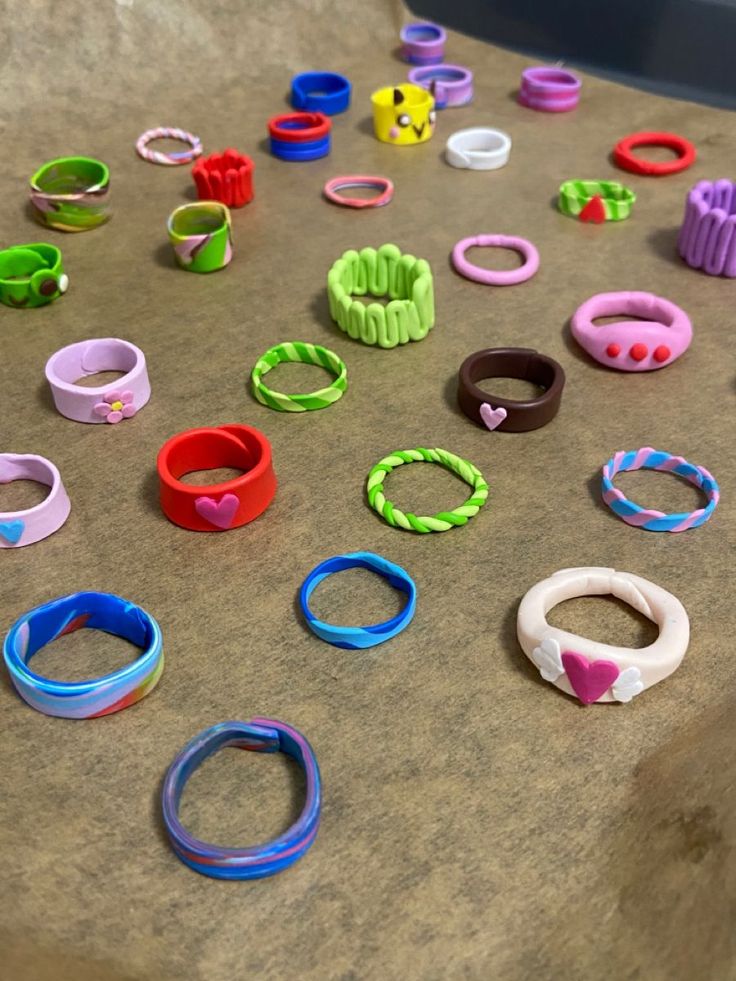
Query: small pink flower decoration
116	406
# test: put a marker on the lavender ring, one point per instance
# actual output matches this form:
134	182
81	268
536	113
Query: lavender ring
423	44
549	89
103	403
707	240
451	85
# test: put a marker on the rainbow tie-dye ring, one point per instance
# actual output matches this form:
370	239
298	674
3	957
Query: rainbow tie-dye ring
251	862
98	696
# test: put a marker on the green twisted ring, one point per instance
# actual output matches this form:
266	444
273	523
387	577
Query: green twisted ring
442	521
409	314
299	351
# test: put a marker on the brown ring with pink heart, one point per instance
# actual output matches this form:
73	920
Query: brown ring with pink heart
589	670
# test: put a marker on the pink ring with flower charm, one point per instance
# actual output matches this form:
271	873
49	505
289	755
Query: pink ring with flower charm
111	403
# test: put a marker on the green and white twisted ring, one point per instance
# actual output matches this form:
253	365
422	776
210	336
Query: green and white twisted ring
409	314
442	521
299	351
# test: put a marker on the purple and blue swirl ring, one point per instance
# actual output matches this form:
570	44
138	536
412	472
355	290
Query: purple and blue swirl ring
358	638
649	459
98	696
423	43
451	85
257	861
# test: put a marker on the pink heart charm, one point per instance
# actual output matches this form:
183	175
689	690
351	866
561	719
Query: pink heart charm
218	513
589	679
492	417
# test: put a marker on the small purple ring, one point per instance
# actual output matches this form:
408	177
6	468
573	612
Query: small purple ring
549	89
707	237
423	43
451	85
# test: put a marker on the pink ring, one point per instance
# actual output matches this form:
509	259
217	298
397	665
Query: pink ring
381	184
492	277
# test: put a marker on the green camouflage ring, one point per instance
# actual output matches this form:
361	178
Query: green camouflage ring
442	521
595	201
299	351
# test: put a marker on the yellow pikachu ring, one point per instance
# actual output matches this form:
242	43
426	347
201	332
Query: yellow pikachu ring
403	114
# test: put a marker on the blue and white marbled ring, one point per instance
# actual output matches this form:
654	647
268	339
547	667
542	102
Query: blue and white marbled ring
358	638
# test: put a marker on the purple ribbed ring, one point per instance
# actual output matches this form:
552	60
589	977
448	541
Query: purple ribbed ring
707	237
423	44
451	85
549	89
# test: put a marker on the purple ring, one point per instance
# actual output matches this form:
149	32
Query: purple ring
549	89
451	85
423	43
707	237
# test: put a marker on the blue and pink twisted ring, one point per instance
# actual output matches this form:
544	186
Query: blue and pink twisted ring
257	861
648	459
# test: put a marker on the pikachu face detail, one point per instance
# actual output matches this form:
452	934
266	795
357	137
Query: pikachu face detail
403	114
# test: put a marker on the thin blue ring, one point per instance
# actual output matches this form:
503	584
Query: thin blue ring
359	638
310	150
330	103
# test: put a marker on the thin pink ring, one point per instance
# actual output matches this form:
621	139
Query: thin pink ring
382	184
499	277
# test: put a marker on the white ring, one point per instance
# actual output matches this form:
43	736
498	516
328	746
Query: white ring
639	668
479	148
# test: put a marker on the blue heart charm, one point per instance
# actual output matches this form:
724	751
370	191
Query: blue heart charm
12	530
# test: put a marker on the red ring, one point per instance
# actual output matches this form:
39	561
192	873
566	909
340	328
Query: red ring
241	447
624	158
309	126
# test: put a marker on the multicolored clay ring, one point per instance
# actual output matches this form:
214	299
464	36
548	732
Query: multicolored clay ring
423	43
259	861
99	696
70	194
648	459
201	236
336	185
549	89
31	275
409	314
359	638
168	159
707	240
595	201
451	85
295	352
443	520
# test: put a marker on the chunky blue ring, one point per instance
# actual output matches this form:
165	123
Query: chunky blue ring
259	861
309	150
98	696
358	638
325	92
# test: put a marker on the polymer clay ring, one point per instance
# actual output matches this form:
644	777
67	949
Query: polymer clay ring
707	240
19	528
31	275
549	89
336	185
423	43
299	352
490	277
595	201
451	85
101	403
443	520
403	115
168	159
478	148
659	335
224	505
358	638
300	135
406	280
225	177
70	194
98	696
650	520
201	236
624	157
589	670
254	862
510	415
325	92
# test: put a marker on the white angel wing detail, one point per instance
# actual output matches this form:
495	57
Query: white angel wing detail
547	658
627	685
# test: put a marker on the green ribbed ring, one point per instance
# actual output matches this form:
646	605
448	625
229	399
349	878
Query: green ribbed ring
442	521
296	351
616	199
409	314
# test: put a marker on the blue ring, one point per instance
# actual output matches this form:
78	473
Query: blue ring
259	861
309	150
358	638
97	696
334	92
